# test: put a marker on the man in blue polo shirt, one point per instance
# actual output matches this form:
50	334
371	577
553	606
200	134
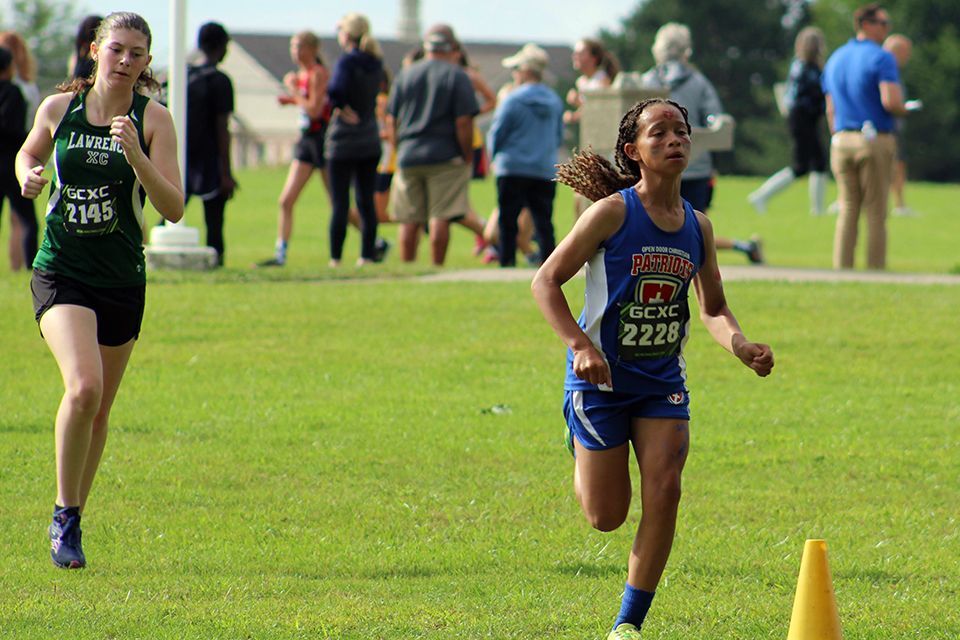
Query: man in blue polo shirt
863	92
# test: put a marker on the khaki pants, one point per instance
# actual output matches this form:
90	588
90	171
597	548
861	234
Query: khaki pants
862	169
420	193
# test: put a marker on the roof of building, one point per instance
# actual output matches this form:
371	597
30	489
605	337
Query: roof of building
272	51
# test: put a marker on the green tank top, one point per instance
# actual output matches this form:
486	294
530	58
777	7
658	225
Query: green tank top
94	220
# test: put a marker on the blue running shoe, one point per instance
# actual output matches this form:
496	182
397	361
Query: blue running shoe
65	548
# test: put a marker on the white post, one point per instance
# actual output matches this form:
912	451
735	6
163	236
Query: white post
177	78
177	246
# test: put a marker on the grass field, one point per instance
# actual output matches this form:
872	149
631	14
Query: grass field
296	454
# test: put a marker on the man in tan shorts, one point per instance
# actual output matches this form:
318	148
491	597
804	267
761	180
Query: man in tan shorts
430	119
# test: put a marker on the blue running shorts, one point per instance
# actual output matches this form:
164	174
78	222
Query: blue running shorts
601	419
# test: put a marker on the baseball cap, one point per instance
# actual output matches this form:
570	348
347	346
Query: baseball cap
530	57
440	38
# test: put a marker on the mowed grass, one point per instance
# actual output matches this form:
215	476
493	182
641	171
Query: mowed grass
295	454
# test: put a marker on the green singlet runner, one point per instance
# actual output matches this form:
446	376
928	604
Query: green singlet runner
95	214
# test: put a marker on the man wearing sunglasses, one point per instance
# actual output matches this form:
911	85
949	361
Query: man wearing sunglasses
863	93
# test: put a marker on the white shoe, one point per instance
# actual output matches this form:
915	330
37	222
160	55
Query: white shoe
759	202
904	212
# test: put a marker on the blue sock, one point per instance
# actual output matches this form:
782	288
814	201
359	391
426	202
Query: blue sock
634	606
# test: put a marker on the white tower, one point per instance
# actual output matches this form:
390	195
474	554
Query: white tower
408	27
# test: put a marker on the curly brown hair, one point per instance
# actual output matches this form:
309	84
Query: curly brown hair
593	176
117	20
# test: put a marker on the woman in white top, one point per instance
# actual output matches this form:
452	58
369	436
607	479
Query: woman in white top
598	68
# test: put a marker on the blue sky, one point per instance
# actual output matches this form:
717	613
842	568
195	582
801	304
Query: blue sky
545	21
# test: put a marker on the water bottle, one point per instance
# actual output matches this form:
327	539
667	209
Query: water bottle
869	131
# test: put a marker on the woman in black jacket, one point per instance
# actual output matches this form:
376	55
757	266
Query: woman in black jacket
353	138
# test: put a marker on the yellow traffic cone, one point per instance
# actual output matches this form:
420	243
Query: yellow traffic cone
815	614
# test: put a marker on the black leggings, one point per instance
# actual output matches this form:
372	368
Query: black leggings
25	211
213	210
808	151
363	173
513	194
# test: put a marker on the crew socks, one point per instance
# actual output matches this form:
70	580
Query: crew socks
281	251
774	185
817	188
743	246
634	606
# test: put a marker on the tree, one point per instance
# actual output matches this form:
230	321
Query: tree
49	28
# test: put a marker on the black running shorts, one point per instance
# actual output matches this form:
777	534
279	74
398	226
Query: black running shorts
119	309
309	149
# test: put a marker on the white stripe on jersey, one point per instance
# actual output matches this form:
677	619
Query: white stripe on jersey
595	302
584	420
595	297
55	196
683	345
135	201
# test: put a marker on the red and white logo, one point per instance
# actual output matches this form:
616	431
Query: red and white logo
676	398
656	290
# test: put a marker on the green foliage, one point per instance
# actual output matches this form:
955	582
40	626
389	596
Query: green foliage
48	27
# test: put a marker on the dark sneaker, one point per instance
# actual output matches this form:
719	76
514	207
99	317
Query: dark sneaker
65	548
380	249
271	262
755	251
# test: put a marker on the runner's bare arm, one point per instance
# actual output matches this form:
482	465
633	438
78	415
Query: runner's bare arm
38	146
597	223
157	170
717	316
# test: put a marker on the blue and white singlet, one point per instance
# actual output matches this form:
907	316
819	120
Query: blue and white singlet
635	310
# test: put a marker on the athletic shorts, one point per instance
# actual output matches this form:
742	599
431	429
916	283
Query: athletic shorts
601	419
382	184
119	310
429	191
309	149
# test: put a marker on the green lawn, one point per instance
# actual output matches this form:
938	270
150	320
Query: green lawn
297	455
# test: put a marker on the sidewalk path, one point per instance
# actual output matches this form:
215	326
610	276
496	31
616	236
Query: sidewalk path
730	273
